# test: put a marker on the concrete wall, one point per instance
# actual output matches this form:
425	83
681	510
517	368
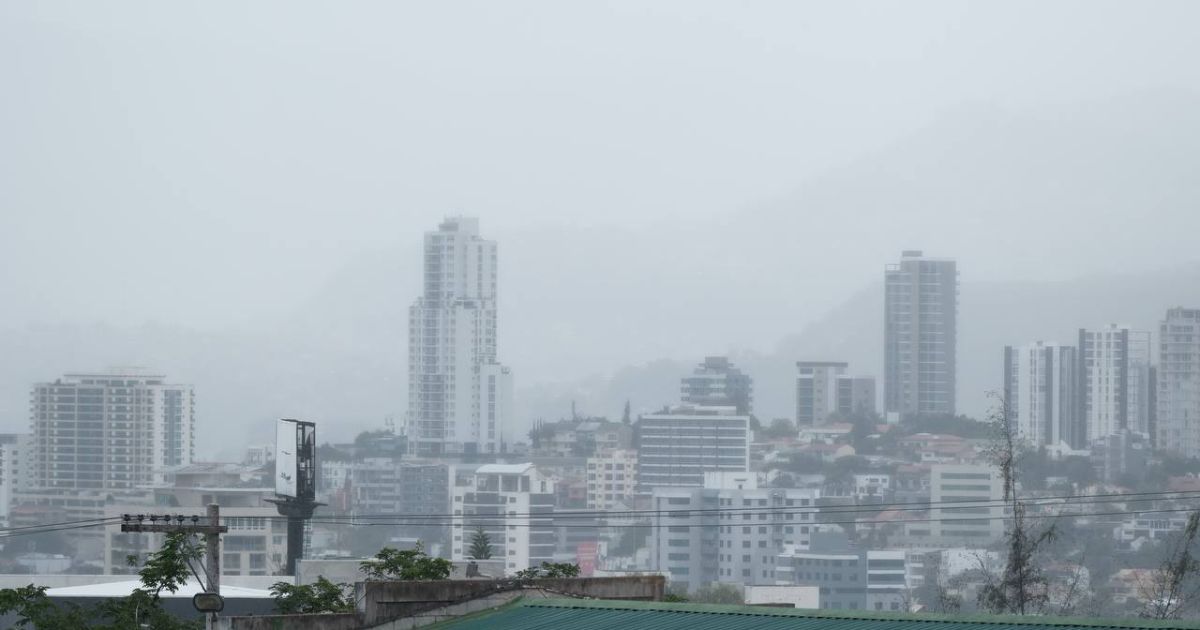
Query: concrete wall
348	621
781	595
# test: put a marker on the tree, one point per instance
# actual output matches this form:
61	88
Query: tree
549	570
1174	586
410	564
164	570
309	599
481	545
1022	588
626	417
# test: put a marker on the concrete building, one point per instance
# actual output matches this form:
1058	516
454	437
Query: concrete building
15	470
717	383
611	479
1041	387
730	530
460	397
1118	382
817	391
848	577
1177	421
968	504
110	431
513	504
856	396
920	335
677	448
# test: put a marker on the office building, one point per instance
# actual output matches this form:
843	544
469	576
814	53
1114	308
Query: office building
1177	421
1117	381
15	469
856	396
718	383
513	504
1041	389
460	397
110	431
968	500
920	335
729	530
678	447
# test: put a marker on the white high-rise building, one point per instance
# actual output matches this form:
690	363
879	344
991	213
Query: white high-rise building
679	447
459	396
1177	427
514	506
817	391
1041	388
110	431
920	336
1117	381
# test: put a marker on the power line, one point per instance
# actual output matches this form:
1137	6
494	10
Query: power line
827	509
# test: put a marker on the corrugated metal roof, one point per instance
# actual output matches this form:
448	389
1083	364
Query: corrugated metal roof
577	614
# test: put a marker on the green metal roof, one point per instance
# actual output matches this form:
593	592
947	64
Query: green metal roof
582	614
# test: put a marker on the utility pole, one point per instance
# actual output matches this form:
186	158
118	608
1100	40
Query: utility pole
211	530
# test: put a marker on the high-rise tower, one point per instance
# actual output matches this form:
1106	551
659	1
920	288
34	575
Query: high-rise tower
1117	381
920	335
459	395
1178	419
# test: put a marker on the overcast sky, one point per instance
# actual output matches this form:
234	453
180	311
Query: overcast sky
215	164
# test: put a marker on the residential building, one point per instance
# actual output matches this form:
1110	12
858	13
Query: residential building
729	530
676	448
717	383
460	397
110	431
1042	394
1177	421
856	396
513	504
817	391
15	469
920	335
611	479
1117	381
968	507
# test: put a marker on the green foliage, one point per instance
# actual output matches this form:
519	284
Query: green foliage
481	545
962	426
717	593
780	428
550	570
410	564
166	569
309	599
674	597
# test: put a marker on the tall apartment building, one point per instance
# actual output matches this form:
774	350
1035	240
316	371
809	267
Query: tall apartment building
1117	381
611	479
110	431
677	448
729	530
1178	405
920	335
718	383
968	500
460	397
817	391
856	396
1041	388
15	469
513	504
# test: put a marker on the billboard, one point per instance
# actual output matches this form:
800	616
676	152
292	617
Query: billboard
285	458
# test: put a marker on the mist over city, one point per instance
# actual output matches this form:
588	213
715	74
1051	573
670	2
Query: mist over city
855	306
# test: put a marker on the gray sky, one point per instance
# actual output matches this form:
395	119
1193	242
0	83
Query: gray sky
215	164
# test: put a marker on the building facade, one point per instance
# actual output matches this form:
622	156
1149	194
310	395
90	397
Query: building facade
730	530
967	504
676	449
1042	394
718	383
1177	421
920	335
513	504
1117	379
110	431
611	479
817	391
856	396
460	397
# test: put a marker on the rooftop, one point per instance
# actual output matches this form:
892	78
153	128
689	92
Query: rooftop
503	469
582	614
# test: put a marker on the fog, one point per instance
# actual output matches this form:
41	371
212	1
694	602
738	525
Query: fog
235	194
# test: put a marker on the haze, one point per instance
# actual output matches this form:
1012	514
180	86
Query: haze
235	194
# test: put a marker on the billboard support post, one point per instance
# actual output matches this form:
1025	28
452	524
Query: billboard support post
295	481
